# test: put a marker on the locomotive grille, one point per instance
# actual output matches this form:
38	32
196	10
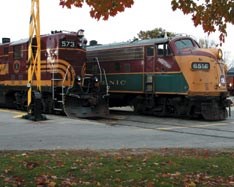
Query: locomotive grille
132	53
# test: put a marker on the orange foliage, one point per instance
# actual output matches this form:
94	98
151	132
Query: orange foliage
212	15
100	8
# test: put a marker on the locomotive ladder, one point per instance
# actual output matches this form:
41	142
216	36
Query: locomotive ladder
58	102
149	90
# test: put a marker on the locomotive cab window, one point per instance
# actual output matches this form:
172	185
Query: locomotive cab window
184	43
163	50
150	51
5	50
18	52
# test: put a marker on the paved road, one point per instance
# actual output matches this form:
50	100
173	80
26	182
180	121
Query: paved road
59	132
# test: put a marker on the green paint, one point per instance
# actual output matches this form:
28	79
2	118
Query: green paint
134	82
170	83
125	82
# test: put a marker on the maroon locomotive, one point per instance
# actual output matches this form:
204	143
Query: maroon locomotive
165	77
64	87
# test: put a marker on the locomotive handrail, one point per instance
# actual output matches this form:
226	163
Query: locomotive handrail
66	74
107	86
64	81
99	67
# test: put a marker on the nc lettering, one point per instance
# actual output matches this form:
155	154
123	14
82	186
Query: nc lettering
117	82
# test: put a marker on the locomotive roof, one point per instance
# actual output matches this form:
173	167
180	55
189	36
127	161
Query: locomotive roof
128	44
132	43
19	42
25	40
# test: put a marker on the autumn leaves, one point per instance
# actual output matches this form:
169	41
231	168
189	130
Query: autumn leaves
100	8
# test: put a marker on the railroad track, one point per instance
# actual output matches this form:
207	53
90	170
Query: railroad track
174	125
215	129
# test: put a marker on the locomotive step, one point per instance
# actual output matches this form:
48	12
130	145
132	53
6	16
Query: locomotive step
56	79
58	101
58	109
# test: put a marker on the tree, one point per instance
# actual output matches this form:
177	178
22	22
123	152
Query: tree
100	8
155	33
212	15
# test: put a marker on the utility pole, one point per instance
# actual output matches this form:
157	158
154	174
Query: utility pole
34	64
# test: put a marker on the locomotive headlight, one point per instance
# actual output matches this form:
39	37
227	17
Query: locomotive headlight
222	80
96	79
78	78
220	54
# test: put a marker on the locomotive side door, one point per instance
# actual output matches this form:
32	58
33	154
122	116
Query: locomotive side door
164	60
167	71
149	59
149	67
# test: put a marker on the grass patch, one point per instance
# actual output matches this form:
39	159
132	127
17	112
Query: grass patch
164	167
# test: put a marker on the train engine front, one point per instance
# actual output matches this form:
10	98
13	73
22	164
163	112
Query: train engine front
165	77
88	97
63	54
204	73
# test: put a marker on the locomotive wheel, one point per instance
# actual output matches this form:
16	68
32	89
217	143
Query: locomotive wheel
138	105
195	112
138	108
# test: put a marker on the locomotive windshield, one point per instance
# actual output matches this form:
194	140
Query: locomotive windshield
184	44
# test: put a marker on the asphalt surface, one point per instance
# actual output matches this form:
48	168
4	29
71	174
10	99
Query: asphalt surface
121	131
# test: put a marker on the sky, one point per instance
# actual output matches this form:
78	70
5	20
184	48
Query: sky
143	15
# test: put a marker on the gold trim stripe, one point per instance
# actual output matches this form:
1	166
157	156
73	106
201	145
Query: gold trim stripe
60	67
24	83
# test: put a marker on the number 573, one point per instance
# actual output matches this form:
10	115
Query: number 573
69	44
